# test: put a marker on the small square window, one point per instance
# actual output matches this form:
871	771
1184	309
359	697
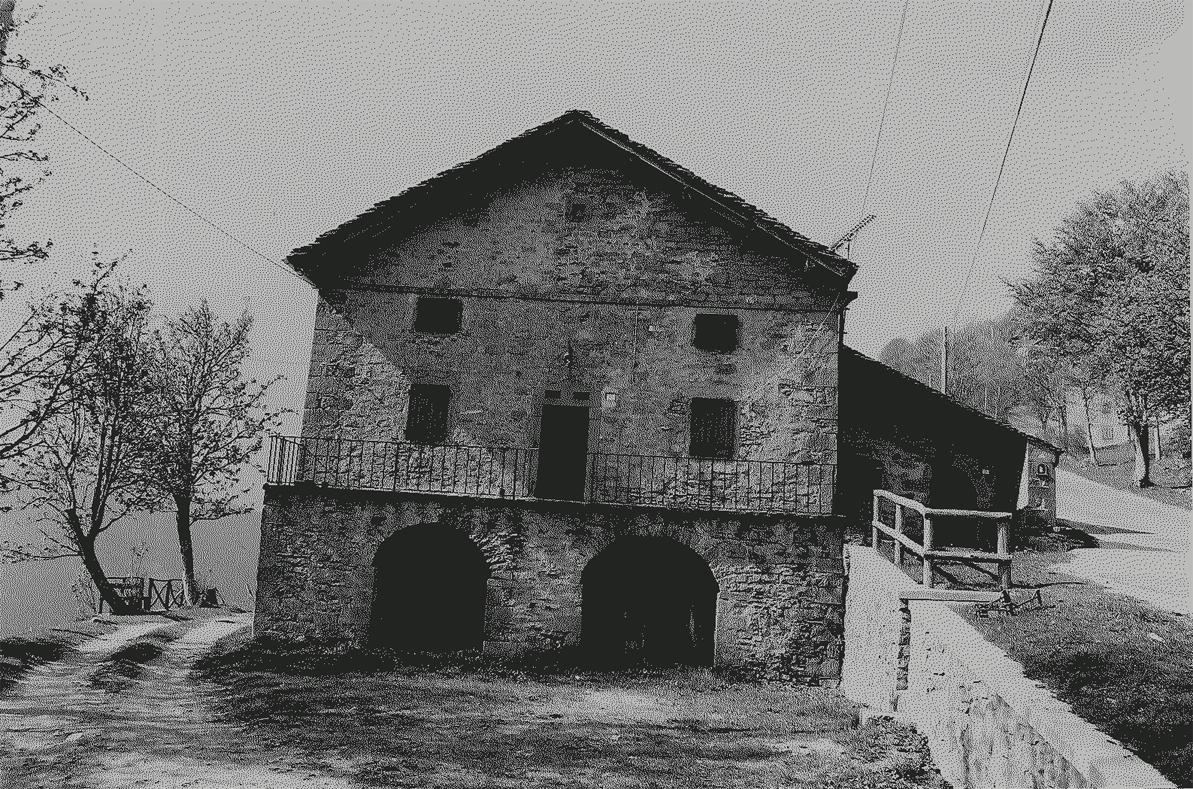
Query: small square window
427	415
1107	408
575	211
715	333
553	394
1107	432
437	315
713	428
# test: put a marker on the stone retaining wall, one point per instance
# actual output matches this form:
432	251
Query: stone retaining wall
987	724
781	577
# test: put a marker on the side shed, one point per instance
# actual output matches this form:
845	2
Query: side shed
903	436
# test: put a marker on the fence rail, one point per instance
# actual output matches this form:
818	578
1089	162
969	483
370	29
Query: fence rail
511	472
928	551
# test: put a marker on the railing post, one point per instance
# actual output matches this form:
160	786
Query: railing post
927	549
899	531
873	528
1003	547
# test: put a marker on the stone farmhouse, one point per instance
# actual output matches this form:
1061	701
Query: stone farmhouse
569	395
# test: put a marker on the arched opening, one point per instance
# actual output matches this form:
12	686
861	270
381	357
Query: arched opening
648	600
428	591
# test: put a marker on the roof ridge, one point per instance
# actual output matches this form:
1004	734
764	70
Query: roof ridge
363	224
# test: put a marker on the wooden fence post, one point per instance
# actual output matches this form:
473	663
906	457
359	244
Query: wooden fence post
927	549
1003	547
873	528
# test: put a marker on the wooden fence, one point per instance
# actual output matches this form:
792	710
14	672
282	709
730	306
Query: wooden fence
929	552
147	594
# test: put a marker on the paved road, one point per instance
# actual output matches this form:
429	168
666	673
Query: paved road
1145	550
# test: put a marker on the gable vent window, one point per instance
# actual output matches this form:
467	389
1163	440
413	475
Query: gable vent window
426	418
437	315
715	333
713	428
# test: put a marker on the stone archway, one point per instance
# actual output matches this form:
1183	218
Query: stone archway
648	600
428	591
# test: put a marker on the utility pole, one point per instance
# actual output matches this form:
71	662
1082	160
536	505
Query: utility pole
944	359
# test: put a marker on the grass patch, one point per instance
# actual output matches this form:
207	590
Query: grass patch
239	653
18	654
126	664
1092	649
382	719
1098	652
1116	469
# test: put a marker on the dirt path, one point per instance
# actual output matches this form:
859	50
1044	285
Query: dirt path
1144	544
58	729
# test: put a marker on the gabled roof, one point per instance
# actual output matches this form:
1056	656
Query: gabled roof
939	397
379	219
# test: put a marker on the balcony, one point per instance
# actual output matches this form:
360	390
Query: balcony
514	473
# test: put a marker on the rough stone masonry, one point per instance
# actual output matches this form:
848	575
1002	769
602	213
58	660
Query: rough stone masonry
579	261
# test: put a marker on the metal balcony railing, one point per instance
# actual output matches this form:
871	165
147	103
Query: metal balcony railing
512	473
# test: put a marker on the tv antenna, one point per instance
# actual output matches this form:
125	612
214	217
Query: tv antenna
847	239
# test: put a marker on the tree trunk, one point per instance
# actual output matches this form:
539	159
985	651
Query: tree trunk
1143	462
1064	419
86	544
183	521
1089	428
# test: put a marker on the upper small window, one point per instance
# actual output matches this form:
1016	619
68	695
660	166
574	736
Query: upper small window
427	415
713	428
437	315
576	212
1107	408
715	333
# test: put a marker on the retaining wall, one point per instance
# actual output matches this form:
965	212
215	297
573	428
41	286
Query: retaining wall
987	724
780	577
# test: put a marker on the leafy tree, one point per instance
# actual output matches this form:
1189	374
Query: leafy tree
1110	294
208	422
85	469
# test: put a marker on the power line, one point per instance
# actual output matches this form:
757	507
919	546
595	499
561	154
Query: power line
154	186
885	103
1001	166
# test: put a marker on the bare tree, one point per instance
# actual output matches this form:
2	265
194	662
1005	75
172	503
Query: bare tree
25	90
209	422
84	471
27	355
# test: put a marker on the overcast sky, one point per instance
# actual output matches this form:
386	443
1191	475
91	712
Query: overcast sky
279	121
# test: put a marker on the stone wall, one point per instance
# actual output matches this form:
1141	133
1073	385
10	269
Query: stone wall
781	578
876	636
599	301
989	727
